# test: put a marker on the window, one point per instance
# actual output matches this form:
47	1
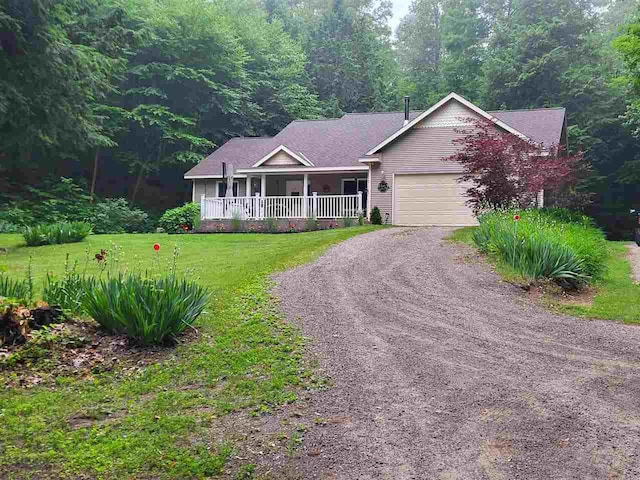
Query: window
220	192
349	186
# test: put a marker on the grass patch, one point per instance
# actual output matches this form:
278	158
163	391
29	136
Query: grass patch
615	296
156	421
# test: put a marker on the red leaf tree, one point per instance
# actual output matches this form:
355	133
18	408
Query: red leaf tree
508	171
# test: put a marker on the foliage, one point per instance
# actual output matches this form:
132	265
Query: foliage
236	221
347	222
6	227
21	289
176	219
311	224
55	233
546	243
148	310
507	171
68	290
114	215
376	217
361	220
271	225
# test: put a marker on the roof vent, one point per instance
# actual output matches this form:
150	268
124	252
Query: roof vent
406	110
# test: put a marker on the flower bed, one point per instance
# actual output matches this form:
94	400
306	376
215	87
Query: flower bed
554	244
273	225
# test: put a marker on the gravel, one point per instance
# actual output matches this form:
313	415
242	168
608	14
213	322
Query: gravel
634	259
442	371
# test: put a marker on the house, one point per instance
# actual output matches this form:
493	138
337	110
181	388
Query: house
341	167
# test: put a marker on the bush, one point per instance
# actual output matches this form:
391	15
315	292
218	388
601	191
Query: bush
270	225
180	219
236	221
545	243
6	227
361	220
347	222
311	224
147	310
56	233
114	215
376	217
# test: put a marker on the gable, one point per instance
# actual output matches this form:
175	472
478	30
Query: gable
452	114
280	159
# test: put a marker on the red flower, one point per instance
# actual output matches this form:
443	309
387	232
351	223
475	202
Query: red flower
184	227
516	217
156	246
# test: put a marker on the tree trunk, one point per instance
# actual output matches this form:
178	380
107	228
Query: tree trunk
95	174
137	185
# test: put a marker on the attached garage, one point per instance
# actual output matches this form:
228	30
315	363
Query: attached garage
435	199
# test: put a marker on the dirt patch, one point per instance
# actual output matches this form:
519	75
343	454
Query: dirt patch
442	370
78	349
634	260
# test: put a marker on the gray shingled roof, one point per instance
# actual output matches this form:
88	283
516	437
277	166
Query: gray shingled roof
340	142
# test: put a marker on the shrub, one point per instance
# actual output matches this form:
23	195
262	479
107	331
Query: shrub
347	222
147	310
270	224
6	227
547	243
56	233
361	220
114	215
176	219
376	217
311	224
236	221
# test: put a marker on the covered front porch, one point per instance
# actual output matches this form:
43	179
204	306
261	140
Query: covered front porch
290	195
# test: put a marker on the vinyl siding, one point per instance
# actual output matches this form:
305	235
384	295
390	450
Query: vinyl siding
420	150
208	188
281	159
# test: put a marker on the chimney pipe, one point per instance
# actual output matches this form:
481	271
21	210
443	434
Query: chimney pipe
406	110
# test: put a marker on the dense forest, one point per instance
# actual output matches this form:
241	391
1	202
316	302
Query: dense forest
123	96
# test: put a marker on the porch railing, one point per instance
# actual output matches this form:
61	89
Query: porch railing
318	206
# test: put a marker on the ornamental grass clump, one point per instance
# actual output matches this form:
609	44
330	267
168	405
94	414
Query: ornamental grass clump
148	310
56	233
554	244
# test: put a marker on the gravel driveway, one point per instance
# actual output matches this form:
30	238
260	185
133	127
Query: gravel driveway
441	371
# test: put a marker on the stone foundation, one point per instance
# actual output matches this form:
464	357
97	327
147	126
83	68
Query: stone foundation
282	225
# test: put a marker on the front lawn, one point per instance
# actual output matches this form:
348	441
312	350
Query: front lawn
161	421
612	297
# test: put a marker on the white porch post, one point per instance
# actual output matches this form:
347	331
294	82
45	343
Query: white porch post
315	204
247	186
259	212
202	207
263	185
305	193
359	203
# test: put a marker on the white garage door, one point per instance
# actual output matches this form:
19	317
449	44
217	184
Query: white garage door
431	199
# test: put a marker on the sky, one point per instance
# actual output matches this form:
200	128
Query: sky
400	9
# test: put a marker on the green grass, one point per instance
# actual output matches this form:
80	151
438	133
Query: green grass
615	297
157	421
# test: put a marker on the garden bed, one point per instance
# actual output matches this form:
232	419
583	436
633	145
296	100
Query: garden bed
284	225
76	349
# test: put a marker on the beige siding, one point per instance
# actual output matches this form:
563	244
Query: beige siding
420	150
208	188
431	199
281	159
453	114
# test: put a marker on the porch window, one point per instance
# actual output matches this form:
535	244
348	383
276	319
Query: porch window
221	186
